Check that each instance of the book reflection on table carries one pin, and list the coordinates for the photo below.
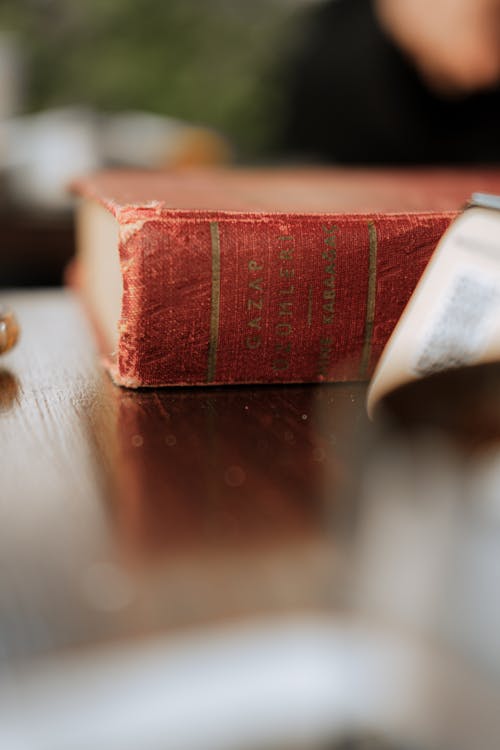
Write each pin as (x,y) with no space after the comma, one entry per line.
(316,619)
(227,502)
(179,570)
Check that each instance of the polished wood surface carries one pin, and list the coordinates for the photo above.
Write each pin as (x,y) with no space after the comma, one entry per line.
(128,512)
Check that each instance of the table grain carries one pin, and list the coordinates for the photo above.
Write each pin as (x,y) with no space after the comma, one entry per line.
(129,512)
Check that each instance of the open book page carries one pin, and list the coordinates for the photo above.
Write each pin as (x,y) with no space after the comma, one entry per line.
(453,316)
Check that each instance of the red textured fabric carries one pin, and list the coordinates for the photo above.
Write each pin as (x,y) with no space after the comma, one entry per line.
(233,296)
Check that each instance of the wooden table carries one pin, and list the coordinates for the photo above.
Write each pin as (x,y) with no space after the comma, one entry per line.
(126,513)
(164,557)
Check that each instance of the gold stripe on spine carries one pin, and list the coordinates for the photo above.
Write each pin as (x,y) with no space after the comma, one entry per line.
(214,302)
(370,300)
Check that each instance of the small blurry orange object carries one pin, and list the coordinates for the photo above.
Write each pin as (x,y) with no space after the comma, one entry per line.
(9,330)
(198,146)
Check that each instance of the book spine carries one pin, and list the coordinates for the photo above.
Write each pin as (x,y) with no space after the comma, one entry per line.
(220,298)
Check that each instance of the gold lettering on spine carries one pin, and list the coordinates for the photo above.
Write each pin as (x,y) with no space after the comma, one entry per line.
(214,302)
(370,300)
(284,330)
(328,295)
(254,305)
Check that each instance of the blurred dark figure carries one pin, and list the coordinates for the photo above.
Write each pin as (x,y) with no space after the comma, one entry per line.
(396,81)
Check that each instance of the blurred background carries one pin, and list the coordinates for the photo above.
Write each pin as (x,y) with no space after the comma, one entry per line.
(203,62)
(167,84)
(121,82)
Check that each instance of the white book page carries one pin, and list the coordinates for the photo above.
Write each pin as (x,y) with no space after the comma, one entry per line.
(453,316)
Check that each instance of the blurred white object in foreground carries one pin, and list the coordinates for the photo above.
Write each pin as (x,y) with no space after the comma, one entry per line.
(262,685)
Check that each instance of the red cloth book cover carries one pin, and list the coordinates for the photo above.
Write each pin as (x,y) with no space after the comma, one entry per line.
(259,275)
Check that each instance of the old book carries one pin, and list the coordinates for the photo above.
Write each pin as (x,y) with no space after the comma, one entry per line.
(257,276)
(452,318)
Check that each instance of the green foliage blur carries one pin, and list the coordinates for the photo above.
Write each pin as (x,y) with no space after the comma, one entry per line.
(206,61)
